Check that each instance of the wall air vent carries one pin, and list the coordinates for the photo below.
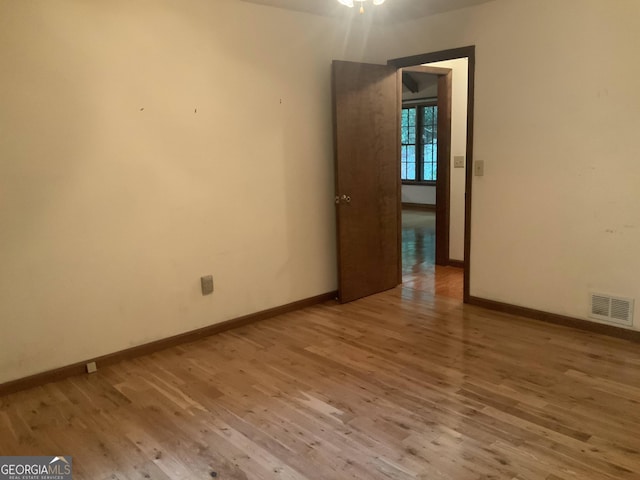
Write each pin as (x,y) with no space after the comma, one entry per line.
(611,309)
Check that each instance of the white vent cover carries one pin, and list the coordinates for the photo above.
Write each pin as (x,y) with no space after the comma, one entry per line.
(611,309)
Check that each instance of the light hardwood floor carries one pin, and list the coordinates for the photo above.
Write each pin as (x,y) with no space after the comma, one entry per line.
(419,271)
(401,385)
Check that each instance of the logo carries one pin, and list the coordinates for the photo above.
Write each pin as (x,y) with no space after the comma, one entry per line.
(36,468)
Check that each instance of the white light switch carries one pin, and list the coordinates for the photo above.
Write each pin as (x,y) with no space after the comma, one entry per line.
(478,168)
(458,161)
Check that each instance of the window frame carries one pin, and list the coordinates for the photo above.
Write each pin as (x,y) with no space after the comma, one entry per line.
(419,145)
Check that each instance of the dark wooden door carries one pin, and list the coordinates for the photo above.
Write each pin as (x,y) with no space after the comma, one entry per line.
(366,101)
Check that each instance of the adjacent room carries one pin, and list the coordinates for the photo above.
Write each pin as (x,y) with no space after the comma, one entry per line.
(433,160)
(234,243)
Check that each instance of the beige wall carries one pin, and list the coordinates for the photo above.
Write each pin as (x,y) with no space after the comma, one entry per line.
(109,214)
(116,196)
(557,120)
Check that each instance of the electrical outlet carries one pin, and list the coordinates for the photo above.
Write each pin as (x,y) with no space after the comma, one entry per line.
(458,161)
(478,168)
(92,367)
(207,284)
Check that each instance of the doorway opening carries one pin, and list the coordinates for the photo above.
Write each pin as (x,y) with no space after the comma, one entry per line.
(436,209)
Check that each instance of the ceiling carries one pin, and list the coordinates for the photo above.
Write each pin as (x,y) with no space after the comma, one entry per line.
(392,10)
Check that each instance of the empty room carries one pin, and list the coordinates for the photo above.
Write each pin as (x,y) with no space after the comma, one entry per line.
(246,239)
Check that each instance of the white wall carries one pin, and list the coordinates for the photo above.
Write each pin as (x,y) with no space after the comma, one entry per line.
(459,97)
(422,194)
(116,196)
(577,142)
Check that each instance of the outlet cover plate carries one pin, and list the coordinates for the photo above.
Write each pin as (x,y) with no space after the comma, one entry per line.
(207,284)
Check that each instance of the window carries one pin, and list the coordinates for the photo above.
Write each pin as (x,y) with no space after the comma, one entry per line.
(419,154)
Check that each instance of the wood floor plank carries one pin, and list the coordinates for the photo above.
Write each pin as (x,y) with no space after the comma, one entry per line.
(404,385)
